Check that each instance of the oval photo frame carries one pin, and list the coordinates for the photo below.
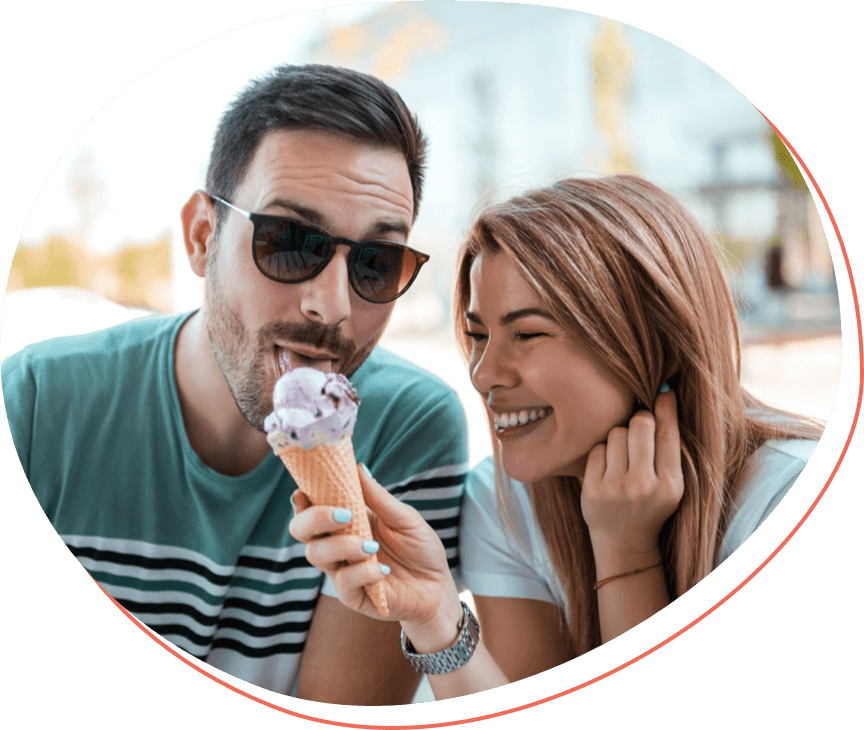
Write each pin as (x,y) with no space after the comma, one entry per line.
(70,619)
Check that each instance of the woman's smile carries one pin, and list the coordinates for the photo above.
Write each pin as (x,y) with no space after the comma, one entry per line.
(517,423)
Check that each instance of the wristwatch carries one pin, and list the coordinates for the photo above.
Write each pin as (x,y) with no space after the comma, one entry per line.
(454,656)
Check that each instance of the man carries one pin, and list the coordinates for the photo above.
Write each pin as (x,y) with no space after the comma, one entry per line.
(144,443)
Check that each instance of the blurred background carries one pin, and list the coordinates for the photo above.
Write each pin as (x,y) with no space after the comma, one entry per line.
(510,96)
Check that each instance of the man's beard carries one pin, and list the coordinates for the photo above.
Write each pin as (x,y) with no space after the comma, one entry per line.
(247,361)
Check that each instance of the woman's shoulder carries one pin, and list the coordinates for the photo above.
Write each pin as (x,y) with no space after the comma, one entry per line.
(482,476)
(774,463)
(481,488)
(503,553)
(774,467)
(789,449)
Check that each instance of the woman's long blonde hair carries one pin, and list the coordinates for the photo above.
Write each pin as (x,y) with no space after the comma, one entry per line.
(626,270)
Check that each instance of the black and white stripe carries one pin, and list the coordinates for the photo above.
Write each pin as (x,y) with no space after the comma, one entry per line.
(249,618)
(436,495)
(259,607)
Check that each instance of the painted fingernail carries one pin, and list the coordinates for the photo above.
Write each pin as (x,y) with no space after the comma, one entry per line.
(366,470)
(665,388)
(385,569)
(370,546)
(342,515)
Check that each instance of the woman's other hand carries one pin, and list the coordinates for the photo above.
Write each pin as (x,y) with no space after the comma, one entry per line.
(420,590)
(633,483)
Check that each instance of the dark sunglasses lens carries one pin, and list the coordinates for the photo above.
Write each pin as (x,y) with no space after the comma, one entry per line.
(382,271)
(288,252)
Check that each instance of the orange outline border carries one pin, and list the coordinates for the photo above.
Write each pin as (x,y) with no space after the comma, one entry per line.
(617,669)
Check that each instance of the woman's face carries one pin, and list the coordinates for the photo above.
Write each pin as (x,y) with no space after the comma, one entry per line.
(551,400)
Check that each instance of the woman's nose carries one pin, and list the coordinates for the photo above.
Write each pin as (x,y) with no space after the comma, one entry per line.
(493,368)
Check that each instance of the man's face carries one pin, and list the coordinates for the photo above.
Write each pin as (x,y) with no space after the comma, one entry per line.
(259,328)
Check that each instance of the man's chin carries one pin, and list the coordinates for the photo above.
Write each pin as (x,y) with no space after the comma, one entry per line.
(256,420)
(351,366)
(255,409)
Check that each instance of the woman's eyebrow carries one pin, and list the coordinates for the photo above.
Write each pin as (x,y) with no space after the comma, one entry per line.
(528,312)
(513,316)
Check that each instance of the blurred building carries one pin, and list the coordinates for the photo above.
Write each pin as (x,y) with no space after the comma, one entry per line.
(513,96)
(477,76)
(769,226)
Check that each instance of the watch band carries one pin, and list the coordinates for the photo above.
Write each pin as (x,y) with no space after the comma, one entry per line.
(451,658)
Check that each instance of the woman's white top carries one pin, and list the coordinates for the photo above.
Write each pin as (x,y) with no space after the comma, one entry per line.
(495,563)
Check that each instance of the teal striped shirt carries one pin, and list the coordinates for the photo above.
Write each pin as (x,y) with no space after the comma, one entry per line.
(204,559)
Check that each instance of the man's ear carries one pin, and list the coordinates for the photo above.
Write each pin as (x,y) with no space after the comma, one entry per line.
(199,223)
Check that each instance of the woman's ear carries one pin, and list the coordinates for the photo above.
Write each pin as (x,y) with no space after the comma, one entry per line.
(199,223)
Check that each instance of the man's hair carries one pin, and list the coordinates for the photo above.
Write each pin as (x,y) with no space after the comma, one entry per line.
(314,97)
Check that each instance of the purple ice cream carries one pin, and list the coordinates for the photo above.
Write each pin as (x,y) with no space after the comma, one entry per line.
(312,408)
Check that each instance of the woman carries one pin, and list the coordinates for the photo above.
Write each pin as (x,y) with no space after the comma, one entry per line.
(628,461)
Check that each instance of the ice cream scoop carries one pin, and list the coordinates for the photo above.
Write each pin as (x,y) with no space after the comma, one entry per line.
(313,408)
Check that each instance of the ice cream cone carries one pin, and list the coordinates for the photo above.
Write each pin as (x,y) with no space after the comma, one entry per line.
(327,475)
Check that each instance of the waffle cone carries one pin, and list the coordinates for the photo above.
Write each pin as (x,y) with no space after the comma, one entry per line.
(327,475)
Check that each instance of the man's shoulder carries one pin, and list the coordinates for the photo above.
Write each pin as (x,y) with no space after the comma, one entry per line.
(64,390)
(102,345)
(409,422)
(389,375)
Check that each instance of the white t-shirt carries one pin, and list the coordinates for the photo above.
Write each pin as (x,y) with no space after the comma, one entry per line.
(495,563)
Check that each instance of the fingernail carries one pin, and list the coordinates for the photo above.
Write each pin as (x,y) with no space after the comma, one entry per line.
(366,470)
(385,569)
(665,388)
(370,546)
(342,515)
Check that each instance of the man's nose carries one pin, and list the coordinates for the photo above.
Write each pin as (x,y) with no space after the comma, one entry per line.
(327,298)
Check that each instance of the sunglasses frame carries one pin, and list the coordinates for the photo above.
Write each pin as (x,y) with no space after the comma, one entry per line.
(333,242)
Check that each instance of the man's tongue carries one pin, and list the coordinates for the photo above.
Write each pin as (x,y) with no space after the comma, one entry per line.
(289,360)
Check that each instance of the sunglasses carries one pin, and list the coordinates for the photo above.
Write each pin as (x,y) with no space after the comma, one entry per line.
(290,251)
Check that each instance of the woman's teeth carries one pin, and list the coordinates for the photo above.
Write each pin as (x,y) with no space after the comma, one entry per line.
(519,418)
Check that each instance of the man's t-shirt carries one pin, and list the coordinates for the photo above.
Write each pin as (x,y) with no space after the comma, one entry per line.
(204,559)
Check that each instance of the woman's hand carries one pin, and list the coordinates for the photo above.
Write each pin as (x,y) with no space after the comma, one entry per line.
(633,483)
(420,590)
